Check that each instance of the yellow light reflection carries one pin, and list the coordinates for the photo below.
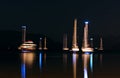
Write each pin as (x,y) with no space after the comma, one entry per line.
(75,57)
(28,58)
(85,58)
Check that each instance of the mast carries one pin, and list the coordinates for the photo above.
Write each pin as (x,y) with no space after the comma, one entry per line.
(23,34)
(45,48)
(65,42)
(101,44)
(74,42)
(85,35)
(86,46)
(40,44)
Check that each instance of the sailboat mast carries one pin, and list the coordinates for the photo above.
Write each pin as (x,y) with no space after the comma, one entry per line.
(45,48)
(75,33)
(86,35)
(23,34)
(40,44)
(65,41)
(101,44)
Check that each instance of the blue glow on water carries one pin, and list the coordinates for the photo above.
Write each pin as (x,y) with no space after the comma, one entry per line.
(87,52)
(40,61)
(23,71)
(74,58)
(91,62)
(85,73)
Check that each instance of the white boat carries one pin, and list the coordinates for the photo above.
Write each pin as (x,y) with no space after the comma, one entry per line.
(85,46)
(74,42)
(28,45)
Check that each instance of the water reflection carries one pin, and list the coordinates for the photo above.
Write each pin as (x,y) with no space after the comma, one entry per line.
(27,60)
(91,62)
(42,60)
(101,57)
(65,61)
(23,71)
(75,58)
(87,60)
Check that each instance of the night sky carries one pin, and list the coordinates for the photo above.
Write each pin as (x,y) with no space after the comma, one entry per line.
(55,17)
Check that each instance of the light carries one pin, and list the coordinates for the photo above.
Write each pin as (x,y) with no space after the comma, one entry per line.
(91,62)
(91,39)
(85,73)
(86,22)
(40,60)
(24,27)
(23,72)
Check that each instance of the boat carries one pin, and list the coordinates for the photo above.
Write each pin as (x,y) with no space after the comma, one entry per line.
(45,44)
(65,48)
(101,45)
(74,42)
(86,47)
(40,44)
(28,46)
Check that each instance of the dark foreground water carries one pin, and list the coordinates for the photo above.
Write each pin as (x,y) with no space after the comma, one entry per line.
(40,64)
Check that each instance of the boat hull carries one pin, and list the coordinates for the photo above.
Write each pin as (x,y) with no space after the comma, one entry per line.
(87,49)
(75,49)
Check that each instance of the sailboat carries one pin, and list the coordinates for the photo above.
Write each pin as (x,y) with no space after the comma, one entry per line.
(74,42)
(86,47)
(101,44)
(40,44)
(45,48)
(65,42)
(26,46)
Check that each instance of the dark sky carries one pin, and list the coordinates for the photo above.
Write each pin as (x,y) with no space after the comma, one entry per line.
(55,17)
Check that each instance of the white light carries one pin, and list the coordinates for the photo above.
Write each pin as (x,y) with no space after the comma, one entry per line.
(86,22)
(91,38)
(24,27)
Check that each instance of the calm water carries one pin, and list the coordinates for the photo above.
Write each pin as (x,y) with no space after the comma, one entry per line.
(59,65)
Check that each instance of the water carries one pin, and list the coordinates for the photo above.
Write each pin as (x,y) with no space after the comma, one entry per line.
(14,64)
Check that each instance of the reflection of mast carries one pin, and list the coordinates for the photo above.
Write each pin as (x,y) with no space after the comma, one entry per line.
(40,44)
(88,59)
(74,43)
(23,70)
(45,48)
(85,63)
(101,44)
(65,42)
(42,60)
(75,57)
(65,61)
(23,34)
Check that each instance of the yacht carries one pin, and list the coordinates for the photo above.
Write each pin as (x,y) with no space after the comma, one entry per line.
(65,48)
(86,47)
(74,42)
(28,45)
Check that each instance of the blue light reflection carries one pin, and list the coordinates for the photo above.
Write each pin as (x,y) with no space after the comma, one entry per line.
(91,62)
(23,71)
(40,61)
